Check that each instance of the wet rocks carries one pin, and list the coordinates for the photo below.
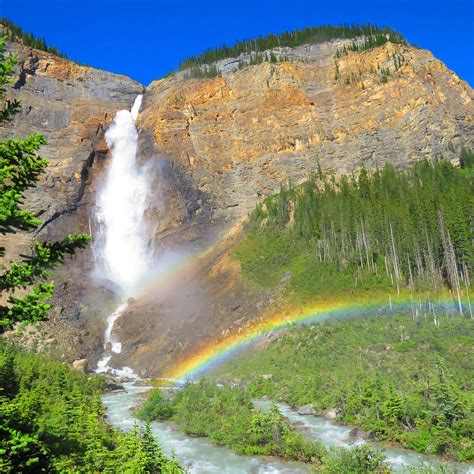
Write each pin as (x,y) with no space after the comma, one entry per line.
(306,410)
(354,432)
(330,413)
(113,384)
(371,436)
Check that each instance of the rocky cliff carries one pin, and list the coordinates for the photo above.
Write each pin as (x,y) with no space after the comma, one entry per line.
(241,135)
(218,145)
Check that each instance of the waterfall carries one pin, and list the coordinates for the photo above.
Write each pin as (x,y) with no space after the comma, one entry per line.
(121,247)
(121,250)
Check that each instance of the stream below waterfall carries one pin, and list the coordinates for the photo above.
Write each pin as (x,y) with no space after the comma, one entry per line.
(200,455)
(197,455)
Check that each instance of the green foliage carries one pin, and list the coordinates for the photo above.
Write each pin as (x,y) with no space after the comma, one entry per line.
(7,64)
(207,71)
(226,415)
(292,39)
(405,379)
(359,460)
(467,158)
(52,420)
(202,72)
(17,34)
(156,407)
(44,258)
(20,169)
(140,453)
(370,231)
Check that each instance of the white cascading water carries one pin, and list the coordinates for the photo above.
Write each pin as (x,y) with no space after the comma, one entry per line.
(121,249)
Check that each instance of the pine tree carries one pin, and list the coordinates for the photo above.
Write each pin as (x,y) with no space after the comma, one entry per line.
(96,456)
(8,380)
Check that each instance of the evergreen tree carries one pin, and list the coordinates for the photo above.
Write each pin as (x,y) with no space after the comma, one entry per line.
(17,34)
(52,420)
(8,381)
(373,36)
(408,228)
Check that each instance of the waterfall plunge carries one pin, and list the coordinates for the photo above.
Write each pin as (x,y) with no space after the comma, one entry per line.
(121,249)
(122,253)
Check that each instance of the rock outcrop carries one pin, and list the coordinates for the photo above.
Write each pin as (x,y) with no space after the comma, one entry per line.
(241,135)
(214,147)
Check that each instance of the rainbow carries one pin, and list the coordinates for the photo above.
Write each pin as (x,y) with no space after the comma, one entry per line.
(206,358)
(214,354)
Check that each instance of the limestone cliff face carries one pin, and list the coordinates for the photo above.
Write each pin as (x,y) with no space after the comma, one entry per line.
(241,135)
(70,105)
(214,147)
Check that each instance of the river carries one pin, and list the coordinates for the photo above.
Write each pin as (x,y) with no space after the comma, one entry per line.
(199,455)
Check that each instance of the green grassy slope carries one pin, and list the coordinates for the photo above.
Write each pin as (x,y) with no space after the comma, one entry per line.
(407,378)
(374,231)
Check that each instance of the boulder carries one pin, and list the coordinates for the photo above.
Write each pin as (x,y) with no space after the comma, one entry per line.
(81,365)
(354,432)
(330,414)
(306,410)
(113,384)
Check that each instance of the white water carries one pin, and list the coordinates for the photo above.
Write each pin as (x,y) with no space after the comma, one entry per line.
(122,252)
(333,435)
(121,249)
(111,344)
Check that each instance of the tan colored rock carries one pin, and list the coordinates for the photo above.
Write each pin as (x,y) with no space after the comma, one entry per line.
(241,135)
(81,365)
(238,137)
(70,105)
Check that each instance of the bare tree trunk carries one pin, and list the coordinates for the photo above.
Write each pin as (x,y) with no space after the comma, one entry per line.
(450,260)
(396,266)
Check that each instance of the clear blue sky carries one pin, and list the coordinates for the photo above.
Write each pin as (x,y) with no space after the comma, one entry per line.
(145,39)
